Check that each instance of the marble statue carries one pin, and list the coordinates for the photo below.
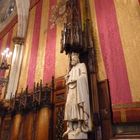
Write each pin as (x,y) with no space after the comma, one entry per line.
(77,108)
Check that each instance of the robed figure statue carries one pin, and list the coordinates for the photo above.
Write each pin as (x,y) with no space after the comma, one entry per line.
(77,107)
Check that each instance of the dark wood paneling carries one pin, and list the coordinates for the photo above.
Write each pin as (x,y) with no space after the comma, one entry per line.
(5,127)
(42,125)
(15,128)
(105,110)
(59,107)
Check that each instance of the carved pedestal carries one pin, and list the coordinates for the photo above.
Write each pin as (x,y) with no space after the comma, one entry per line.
(80,136)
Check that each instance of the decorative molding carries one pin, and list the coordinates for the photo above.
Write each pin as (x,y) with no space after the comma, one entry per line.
(126,115)
(18,40)
(131,105)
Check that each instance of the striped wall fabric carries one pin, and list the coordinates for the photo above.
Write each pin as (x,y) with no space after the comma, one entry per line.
(116,26)
(42,58)
(42,54)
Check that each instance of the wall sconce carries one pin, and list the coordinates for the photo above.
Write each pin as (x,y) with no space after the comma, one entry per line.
(5,55)
(4,66)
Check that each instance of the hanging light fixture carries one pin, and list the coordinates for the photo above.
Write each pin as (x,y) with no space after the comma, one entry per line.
(4,66)
(5,55)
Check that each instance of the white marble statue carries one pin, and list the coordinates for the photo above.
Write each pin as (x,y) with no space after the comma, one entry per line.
(77,108)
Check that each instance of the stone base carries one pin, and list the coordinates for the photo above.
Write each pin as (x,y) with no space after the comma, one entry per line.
(80,136)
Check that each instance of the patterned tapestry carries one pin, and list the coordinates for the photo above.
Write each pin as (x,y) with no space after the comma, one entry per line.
(116,25)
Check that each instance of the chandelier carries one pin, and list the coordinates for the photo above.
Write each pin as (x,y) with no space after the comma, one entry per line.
(4,65)
(5,54)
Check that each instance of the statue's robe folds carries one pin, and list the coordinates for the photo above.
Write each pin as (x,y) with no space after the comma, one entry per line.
(77,106)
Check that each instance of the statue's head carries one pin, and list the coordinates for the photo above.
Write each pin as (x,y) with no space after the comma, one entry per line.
(74,59)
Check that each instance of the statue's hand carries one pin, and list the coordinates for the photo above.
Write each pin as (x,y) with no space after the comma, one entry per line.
(66,77)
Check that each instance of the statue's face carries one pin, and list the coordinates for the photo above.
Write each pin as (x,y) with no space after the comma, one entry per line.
(74,60)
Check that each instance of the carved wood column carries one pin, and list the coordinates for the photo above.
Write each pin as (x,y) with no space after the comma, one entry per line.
(105,110)
(1,122)
(5,127)
(43,123)
(28,126)
(15,129)
(59,107)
